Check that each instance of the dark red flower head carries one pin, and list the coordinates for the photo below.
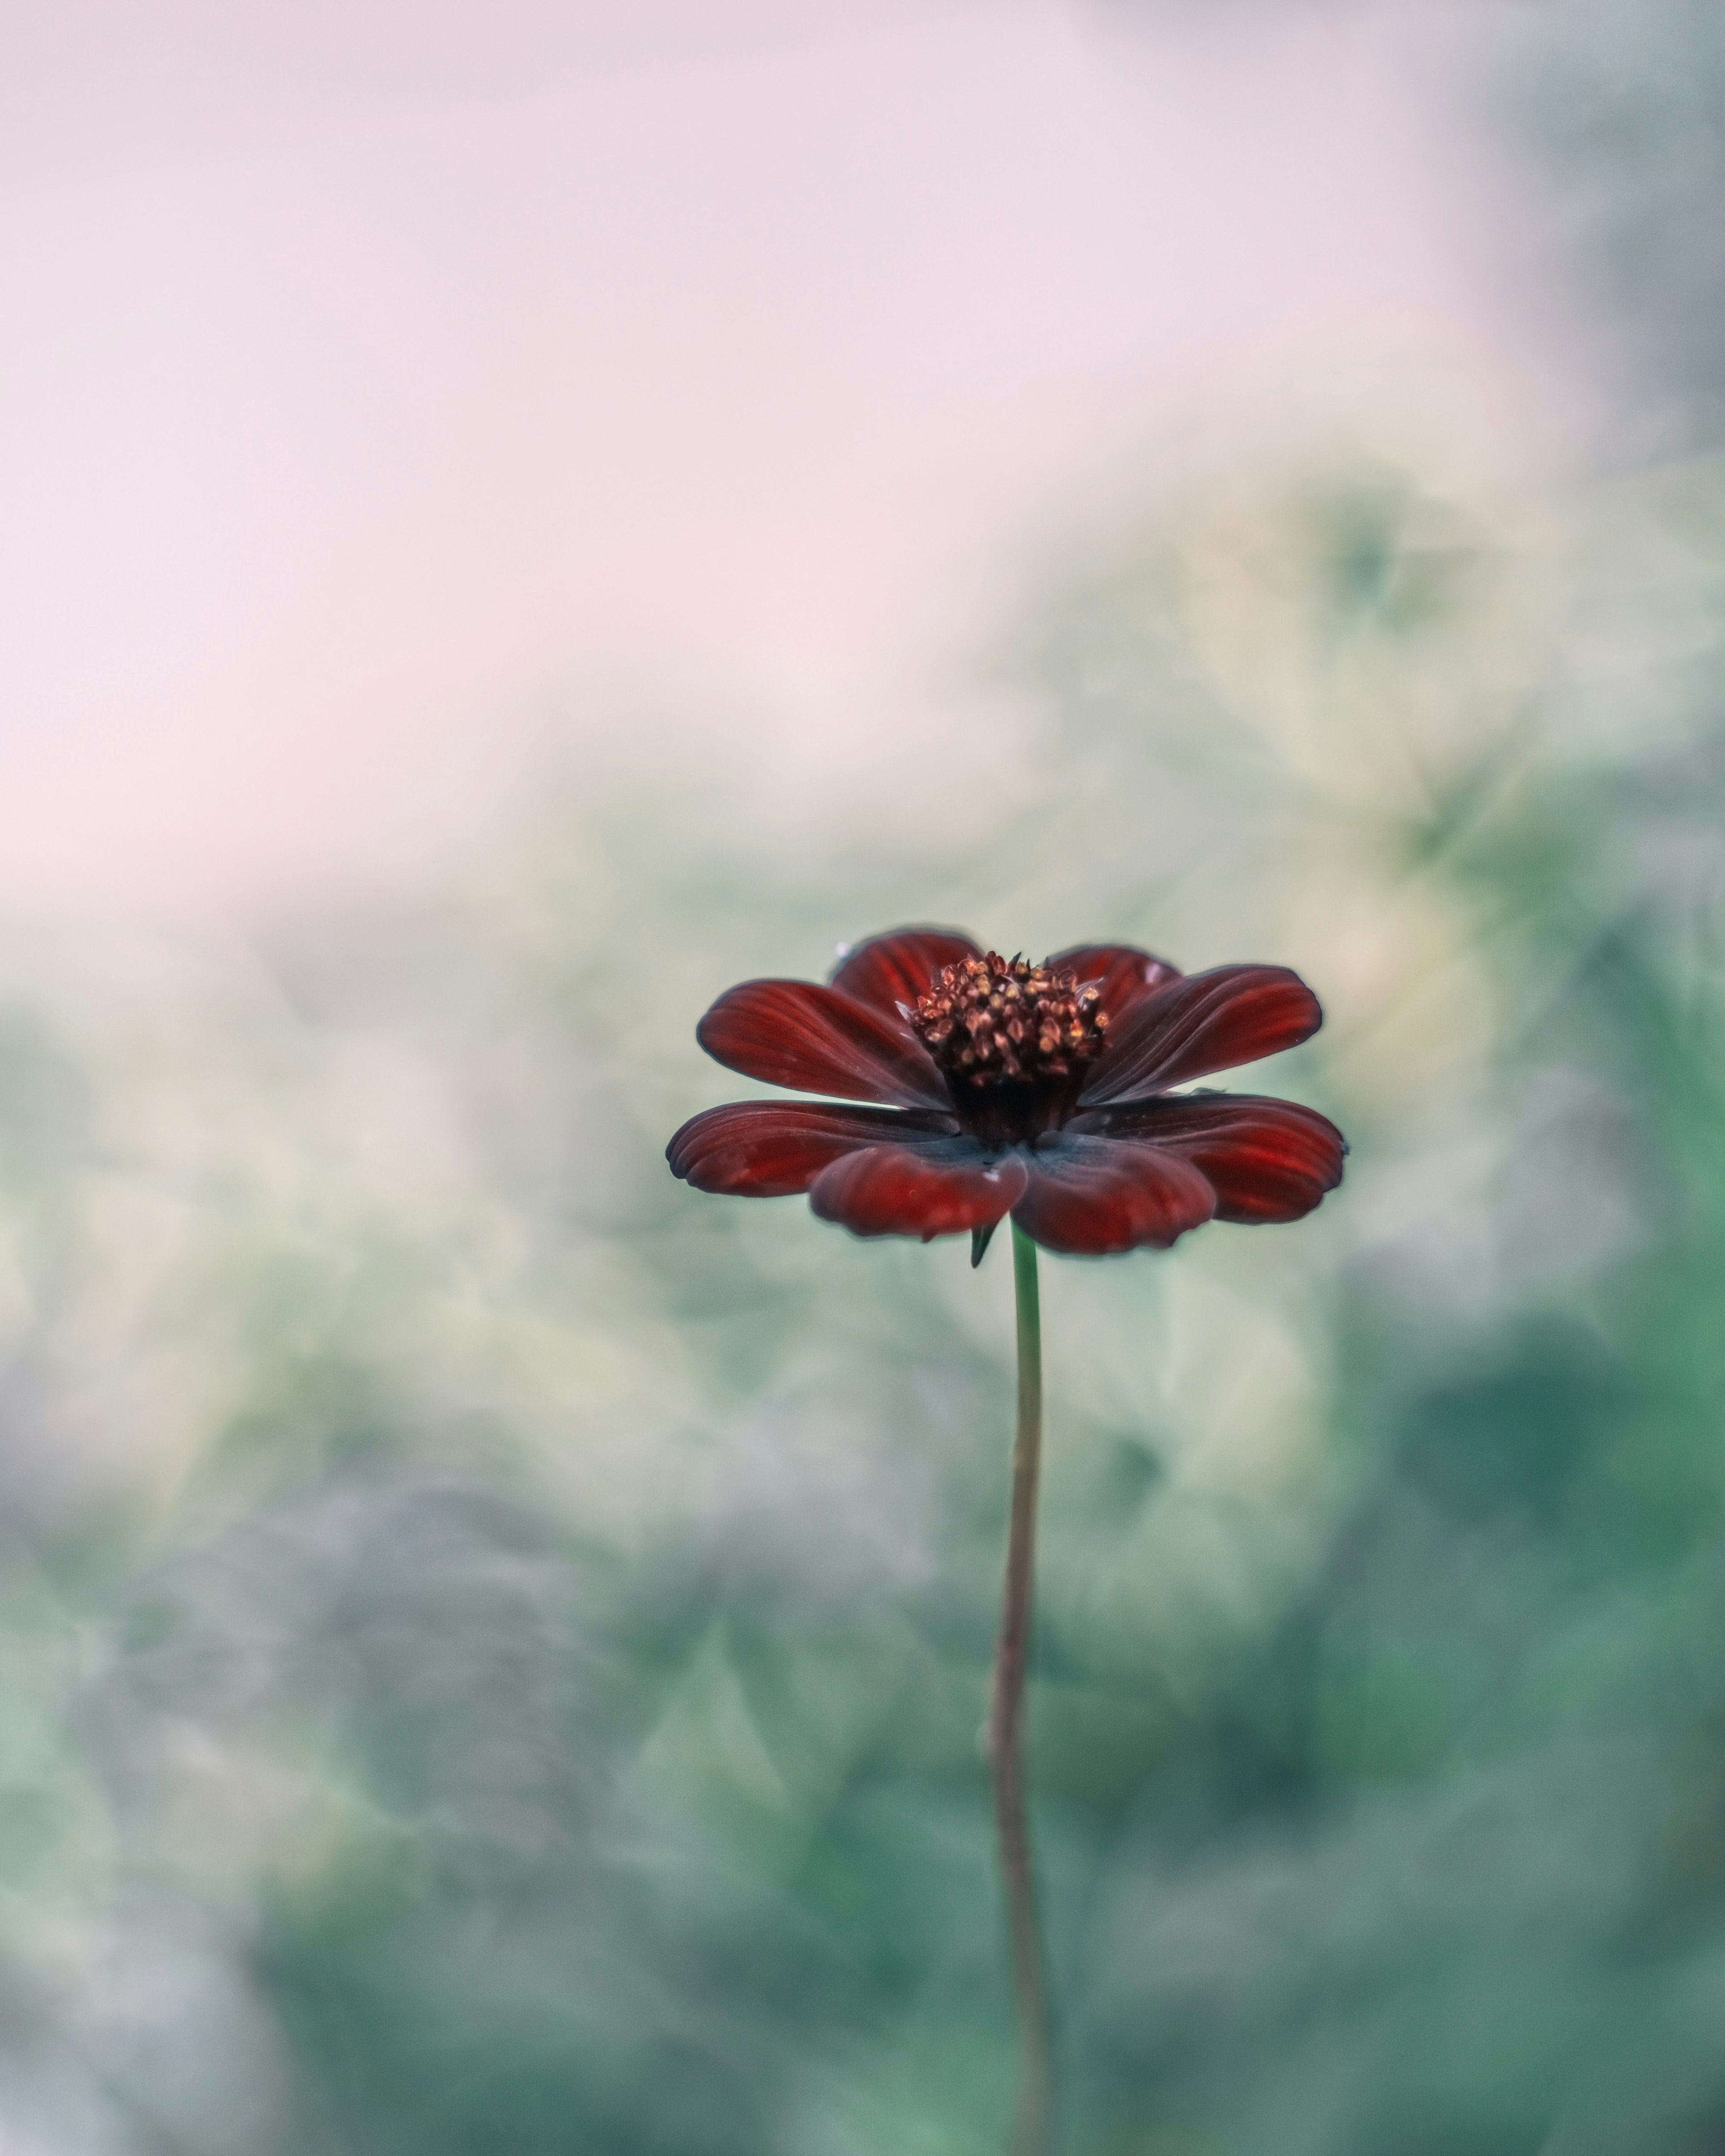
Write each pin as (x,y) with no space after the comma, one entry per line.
(998,1087)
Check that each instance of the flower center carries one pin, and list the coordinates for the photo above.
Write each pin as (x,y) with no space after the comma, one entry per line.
(995,1021)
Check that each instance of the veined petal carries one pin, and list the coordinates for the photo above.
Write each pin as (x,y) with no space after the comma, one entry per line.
(898,967)
(1266,1159)
(1122,971)
(1202,1022)
(775,1148)
(817,1041)
(1088,1196)
(934,1190)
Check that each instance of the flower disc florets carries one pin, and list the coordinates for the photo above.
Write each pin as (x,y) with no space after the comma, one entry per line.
(994,1021)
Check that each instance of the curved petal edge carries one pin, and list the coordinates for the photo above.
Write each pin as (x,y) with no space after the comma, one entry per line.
(1267,1160)
(776,1148)
(815,1039)
(1091,1197)
(895,1190)
(1200,1024)
(1121,970)
(898,966)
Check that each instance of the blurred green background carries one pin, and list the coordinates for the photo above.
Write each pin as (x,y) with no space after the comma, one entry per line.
(495,1643)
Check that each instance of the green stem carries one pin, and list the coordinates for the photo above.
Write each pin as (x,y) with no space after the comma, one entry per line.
(1031,2126)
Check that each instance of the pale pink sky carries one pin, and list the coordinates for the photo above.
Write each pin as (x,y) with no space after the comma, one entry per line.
(389,396)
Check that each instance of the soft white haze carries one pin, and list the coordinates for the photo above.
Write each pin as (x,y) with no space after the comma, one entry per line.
(392,407)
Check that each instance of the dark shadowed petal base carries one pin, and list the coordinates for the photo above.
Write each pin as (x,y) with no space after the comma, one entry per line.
(1088,1196)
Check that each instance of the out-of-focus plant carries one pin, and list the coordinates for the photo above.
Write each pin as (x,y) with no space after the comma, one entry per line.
(493,1648)
(490,1648)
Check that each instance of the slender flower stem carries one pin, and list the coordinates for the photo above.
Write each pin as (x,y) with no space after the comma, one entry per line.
(1031,2126)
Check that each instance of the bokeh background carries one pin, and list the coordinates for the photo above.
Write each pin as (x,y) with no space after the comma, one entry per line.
(518,517)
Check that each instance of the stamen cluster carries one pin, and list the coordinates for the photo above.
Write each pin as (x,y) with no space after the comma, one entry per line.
(995,1021)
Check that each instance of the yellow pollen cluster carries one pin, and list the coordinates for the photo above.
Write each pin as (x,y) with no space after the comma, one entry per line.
(995,1021)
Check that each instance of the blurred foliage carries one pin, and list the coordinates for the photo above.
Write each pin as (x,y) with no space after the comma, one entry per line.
(1624,102)
(495,1642)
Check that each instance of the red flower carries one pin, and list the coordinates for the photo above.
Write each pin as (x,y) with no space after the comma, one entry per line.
(998,1087)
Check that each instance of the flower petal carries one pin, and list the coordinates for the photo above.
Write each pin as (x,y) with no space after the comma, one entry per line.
(774,1148)
(1202,1022)
(816,1041)
(1266,1160)
(941,1189)
(1088,1196)
(896,967)
(1124,972)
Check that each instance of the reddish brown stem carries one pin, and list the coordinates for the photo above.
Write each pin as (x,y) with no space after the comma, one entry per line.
(1033,2121)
